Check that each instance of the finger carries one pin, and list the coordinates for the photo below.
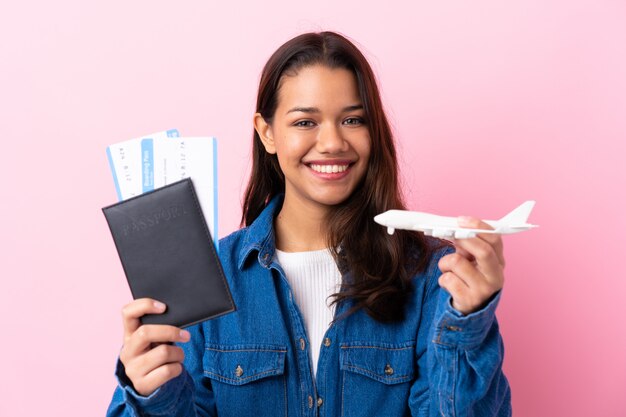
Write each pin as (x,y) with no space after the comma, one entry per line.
(464,298)
(464,270)
(159,376)
(487,260)
(473,223)
(152,359)
(132,311)
(455,286)
(462,251)
(494,239)
(146,335)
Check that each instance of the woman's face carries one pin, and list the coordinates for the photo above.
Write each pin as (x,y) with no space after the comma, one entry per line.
(319,135)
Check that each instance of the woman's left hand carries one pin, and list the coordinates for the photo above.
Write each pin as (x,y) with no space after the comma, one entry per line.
(474,273)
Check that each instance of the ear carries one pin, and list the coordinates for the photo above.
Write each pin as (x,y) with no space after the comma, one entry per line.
(264,130)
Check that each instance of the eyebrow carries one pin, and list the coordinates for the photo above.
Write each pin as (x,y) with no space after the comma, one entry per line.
(316,110)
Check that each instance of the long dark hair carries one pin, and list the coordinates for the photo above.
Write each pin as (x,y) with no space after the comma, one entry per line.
(380,266)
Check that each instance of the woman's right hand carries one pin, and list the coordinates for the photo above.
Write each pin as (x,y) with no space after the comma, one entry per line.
(150,361)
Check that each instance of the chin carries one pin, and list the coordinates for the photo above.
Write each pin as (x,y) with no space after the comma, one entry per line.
(331,200)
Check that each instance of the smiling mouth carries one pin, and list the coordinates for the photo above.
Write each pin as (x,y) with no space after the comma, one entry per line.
(329,169)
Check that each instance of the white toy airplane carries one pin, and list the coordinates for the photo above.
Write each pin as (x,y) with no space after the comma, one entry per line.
(441,226)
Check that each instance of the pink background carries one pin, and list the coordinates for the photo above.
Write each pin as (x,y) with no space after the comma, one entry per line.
(492,102)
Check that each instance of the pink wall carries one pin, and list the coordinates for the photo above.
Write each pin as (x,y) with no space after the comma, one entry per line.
(493,103)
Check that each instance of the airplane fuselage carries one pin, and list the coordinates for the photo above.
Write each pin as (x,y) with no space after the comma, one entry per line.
(448,227)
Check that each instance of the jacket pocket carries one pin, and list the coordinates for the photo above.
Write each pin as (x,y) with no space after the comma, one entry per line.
(376,378)
(247,378)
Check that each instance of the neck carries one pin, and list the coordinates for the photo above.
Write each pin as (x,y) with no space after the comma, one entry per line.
(300,227)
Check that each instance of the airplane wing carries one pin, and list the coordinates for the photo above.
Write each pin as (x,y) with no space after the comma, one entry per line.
(447,227)
(451,232)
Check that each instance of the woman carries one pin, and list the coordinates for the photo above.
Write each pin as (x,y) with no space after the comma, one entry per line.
(410,329)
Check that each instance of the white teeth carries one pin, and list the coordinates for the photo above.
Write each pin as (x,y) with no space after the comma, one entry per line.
(327,169)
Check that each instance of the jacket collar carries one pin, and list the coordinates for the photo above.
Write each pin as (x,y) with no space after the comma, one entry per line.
(259,236)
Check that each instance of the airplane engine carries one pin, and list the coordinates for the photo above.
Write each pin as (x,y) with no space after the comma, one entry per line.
(462,234)
(442,233)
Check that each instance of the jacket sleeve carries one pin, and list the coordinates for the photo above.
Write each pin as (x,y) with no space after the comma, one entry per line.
(464,356)
(188,395)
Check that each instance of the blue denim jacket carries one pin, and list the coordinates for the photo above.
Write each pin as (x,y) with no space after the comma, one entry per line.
(256,361)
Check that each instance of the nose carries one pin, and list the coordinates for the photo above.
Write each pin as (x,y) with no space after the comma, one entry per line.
(331,140)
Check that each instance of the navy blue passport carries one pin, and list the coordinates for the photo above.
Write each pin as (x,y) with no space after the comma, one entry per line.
(168,254)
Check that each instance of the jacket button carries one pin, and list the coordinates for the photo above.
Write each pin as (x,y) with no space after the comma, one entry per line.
(388,370)
(327,342)
(302,344)
(320,402)
(238,371)
(310,402)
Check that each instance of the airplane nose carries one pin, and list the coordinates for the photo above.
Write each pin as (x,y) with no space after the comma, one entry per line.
(381,219)
(384,220)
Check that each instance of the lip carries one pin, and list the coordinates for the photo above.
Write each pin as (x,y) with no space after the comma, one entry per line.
(329,162)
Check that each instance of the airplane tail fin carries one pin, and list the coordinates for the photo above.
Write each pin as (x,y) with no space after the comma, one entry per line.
(519,215)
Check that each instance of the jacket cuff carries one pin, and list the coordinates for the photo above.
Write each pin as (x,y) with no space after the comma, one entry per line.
(161,402)
(465,331)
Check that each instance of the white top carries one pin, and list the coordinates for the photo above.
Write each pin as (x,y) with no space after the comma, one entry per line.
(313,276)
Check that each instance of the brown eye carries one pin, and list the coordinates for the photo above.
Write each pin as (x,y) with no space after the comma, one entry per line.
(303,123)
(354,121)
